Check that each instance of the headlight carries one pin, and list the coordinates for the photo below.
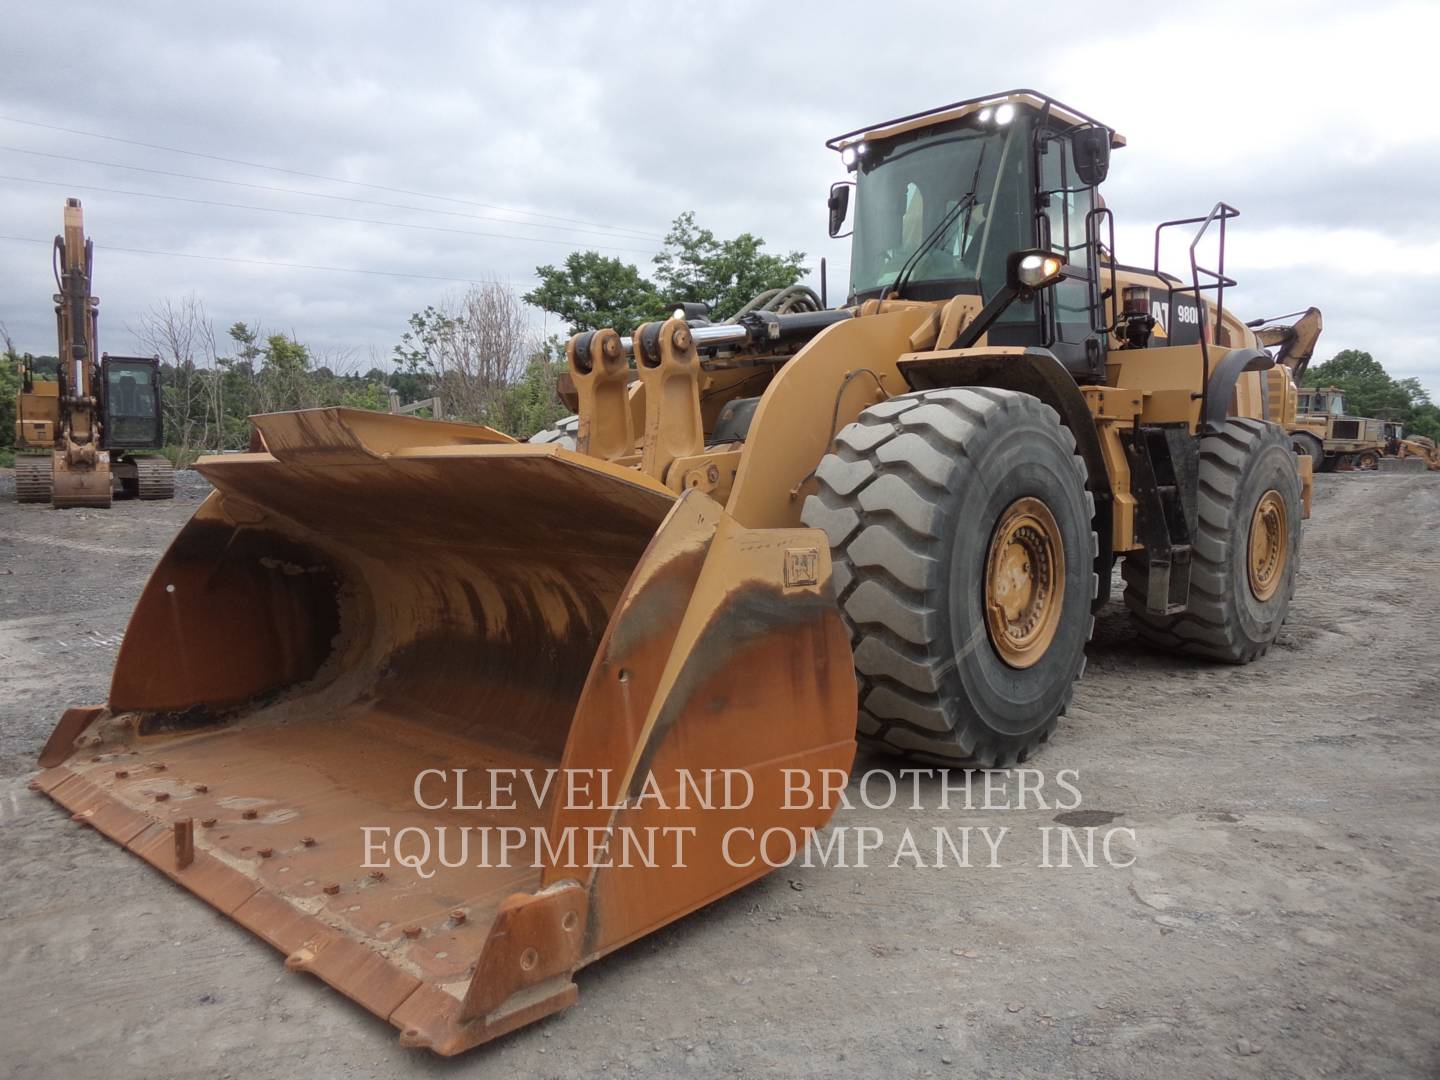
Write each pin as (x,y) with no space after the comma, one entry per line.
(1035,270)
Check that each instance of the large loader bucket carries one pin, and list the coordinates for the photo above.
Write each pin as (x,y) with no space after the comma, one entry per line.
(368,633)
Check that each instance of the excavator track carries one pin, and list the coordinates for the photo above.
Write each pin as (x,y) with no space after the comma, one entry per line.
(33,480)
(155,477)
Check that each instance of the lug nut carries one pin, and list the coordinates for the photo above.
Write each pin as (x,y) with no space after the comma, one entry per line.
(332,889)
(162,796)
(201,789)
(250,815)
(308,841)
(266,852)
(378,875)
(412,932)
(208,822)
(159,766)
(457,917)
(121,774)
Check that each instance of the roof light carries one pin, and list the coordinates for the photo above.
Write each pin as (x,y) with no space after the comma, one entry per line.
(847,157)
(985,114)
(1005,113)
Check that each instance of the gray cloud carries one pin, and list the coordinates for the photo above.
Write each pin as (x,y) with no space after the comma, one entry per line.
(626,115)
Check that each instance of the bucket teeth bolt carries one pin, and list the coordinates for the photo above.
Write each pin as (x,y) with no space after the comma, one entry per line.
(250,815)
(201,789)
(377,875)
(162,796)
(308,841)
(159,766)
(266,852)
(208,822)
(457,917)
(121,774)
(332,889)
(412,932)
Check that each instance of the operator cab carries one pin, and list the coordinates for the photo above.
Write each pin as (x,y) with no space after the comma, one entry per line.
(130,402)
(943,198)
(1329,401)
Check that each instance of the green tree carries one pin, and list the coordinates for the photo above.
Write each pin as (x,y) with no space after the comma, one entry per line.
(1370,391)
(726,274)
(592,291)
(9,387)
(532,402)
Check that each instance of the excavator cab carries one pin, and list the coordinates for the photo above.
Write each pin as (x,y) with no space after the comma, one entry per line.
(130,402)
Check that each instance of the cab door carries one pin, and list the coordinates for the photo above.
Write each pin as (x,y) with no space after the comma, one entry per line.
(1064,203)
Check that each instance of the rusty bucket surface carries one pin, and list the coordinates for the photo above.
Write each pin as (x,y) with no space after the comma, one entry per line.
(376,605)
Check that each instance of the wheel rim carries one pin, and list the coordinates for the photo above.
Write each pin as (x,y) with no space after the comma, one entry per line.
(1024,582)
(1269,545)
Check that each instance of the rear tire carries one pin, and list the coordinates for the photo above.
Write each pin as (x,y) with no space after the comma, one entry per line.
(1246,551)
(1367,459)
(964,566)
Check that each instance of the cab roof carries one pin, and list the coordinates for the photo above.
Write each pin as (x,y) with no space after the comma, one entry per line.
(954,111)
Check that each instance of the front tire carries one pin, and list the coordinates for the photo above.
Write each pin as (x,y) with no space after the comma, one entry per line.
(1309,446)
(1246,550)
(964,565)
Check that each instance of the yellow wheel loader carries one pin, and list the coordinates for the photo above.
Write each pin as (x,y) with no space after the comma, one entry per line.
(382,638)
(1332,439)
(98,412)
(1419,448)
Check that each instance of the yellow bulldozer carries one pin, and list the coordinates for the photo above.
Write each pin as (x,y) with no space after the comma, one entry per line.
(98,412)
(895,518)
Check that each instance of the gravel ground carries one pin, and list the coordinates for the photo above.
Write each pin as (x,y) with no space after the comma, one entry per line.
(1281,917)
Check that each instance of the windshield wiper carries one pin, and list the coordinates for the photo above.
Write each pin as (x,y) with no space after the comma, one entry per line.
(908,268)
(930,241)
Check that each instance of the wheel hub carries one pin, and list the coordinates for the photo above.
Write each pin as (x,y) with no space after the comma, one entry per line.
(1269,545)
(1024,582)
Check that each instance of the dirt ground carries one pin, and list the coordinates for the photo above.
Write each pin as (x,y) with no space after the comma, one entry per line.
(1281,917)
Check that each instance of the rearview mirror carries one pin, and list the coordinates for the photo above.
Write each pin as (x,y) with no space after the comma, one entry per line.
(839,204)
(1091,147)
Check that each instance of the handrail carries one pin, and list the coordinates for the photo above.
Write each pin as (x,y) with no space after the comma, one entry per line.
(1221,212)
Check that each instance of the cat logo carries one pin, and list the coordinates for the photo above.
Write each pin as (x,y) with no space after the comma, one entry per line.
(802,566)
(1177,319)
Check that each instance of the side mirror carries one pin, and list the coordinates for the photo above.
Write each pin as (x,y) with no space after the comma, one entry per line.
(839,204)
(1091,147)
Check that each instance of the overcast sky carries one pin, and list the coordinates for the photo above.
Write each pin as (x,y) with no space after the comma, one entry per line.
(593,126)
